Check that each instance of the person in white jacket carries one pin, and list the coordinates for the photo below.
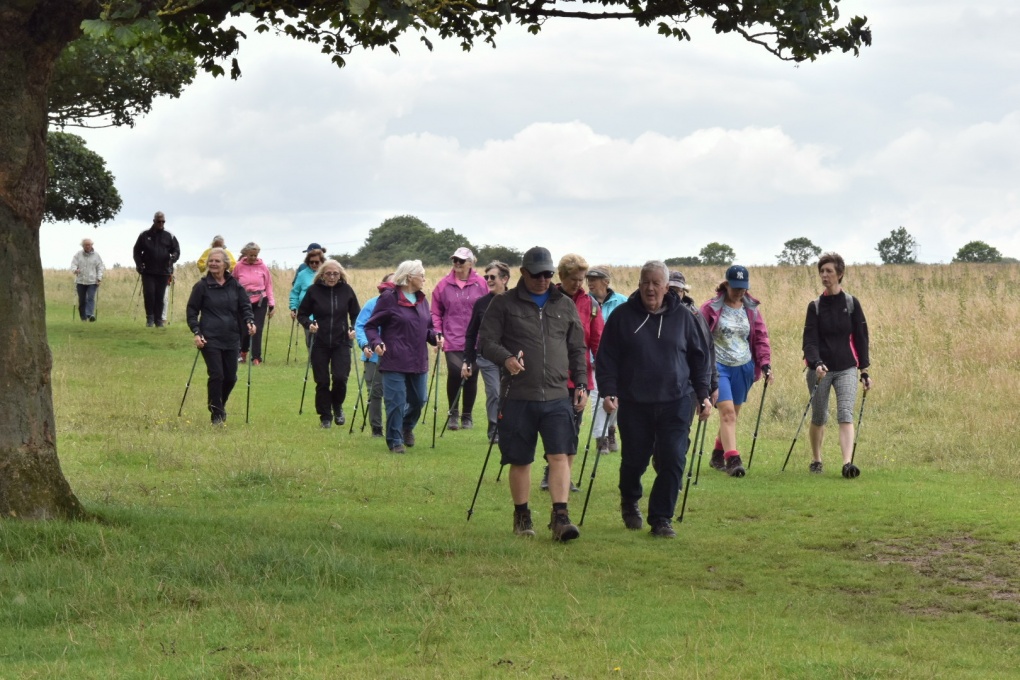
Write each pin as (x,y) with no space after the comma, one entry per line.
(88,274)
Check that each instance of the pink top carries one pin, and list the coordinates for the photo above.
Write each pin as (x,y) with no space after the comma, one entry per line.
(256,280)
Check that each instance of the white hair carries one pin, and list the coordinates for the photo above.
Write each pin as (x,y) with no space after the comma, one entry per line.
(656,265)
(407,269)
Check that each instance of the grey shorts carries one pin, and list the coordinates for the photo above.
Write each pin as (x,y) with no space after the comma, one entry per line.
(845,384)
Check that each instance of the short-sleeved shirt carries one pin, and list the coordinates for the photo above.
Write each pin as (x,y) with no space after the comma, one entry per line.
(731,335)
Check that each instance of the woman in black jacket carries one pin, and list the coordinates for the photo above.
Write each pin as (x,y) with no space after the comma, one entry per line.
(835,349)
(497,276)
(329,310)
(216,309)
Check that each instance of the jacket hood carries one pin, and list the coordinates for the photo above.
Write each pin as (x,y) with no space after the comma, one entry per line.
(383,287)
(670,302)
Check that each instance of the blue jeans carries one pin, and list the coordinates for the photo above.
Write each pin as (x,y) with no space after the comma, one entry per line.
(87,300)
(404,395)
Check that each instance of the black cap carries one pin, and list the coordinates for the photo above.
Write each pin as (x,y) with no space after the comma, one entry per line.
(313,246)
(538,260)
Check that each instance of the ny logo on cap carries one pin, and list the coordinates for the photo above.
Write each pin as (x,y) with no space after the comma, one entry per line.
(740,275)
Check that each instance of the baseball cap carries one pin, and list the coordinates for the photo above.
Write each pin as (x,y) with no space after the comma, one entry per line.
(597,273)
(677,280)
(737,277)
(463,253)
(313,246)
(538,260)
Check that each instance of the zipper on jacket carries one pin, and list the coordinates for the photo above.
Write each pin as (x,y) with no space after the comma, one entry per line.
(541,326)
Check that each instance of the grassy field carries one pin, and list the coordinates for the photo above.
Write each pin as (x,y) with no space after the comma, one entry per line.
(277,549)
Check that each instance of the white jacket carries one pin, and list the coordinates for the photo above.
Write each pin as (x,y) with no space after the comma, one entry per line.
(88,267)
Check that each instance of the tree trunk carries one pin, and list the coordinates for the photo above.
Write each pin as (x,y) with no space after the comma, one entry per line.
(32,35)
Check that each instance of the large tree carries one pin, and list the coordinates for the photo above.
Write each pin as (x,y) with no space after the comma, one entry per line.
(33,33)
(978,251)
(798,251)
(899,247)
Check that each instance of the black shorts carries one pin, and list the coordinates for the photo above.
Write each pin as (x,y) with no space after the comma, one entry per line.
(523,421)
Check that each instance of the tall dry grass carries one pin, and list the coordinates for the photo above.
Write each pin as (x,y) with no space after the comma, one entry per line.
(945,362)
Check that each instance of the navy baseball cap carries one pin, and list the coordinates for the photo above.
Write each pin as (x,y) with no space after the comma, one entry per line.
(313,246)
(737,277)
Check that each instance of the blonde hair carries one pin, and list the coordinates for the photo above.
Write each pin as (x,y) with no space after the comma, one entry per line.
(407,269)
(570,263)
(223,254)
(329,265)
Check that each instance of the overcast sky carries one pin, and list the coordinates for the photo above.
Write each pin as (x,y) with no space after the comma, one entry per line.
(602,139)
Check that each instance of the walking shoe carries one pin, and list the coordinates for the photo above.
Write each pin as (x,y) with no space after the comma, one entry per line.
(377,431)
(325,423)
(339,418)
(613,447)
(544,486)
(851,471)
(734,467)
(466,422)
(149,323)
(602,445)
(242,357)
(92,318)
(160,323)
(631,515)
(492,434)
(453,422)
(662,528)
(815,467)
(718,462)
(522,524)
(258,362)
(408,438)
(397,448)
(573,487)
(219,419)
(562,529)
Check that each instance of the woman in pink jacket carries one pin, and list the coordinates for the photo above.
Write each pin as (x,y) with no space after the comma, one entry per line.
(452,300)
(254,276)
(742,355)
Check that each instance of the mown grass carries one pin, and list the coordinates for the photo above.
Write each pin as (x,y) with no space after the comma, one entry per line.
(278,549)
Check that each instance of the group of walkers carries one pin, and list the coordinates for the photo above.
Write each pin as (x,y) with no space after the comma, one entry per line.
(651,363)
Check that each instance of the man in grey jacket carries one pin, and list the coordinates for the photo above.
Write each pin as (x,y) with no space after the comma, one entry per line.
(537,326)
(88,274)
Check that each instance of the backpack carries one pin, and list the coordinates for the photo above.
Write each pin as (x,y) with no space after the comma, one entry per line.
(849,303)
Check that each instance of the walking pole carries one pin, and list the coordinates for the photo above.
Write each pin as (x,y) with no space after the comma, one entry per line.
(757,423)
(308,366)
(290,341)
(73,308)
(170,314)
(428,398)
(95,303)
(584,461)
(456,400)
(247,403)
(364,412)
(700,450)
(265,345)
(133,291)
(435,404)
(690,469)
(492,440)
(858,431)
(594,469)
(195,363)
(360,375)
(802,419)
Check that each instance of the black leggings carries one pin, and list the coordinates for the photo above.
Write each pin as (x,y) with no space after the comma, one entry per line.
(327,363)
(254,342)
(454,360)
(222,367)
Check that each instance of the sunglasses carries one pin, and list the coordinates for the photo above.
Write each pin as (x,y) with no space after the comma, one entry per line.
(542,275)
(457,260)
(314,261)
(491,277)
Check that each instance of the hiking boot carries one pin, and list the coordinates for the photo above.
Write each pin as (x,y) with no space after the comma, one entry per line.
(160,323)
(602,445)
(377,432)
(325,423)
(408,438)
(662,528)
(149,323)
(338,417)
(562,529)
(613,447)
(631,515)
(522,524)
(466,422)
(735,467)
(242,357)
(397,448)
(219,419)
(851,471)
(453,422)
(718,460)
(544,486)
(92,318)
(815,467)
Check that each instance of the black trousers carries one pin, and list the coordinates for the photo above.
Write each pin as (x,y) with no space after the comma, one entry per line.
(454,360)
(153,290)
(222,367)
(253,343)
(330,363)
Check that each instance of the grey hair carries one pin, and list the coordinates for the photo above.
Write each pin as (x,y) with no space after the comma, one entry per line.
(249,246)
(405,270)
(223,253)
(87,240)
(328,265)
(656,265)
(219,238)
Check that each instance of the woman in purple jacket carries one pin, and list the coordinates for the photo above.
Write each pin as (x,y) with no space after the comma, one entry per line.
(742,355)
(402,318)
(452,301)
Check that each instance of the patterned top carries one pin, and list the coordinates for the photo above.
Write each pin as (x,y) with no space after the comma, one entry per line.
(731,335)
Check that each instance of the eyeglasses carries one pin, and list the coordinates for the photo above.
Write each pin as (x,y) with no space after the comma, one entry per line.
(457,260)
(541,275)
(330,275)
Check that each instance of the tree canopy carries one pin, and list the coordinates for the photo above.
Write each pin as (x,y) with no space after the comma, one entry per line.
(717,255)
(79,187)
(978,251)
(798,251)
(687,261)
(899,247)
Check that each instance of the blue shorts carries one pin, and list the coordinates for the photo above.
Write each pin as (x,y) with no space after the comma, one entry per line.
(523,421)
(735,382)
